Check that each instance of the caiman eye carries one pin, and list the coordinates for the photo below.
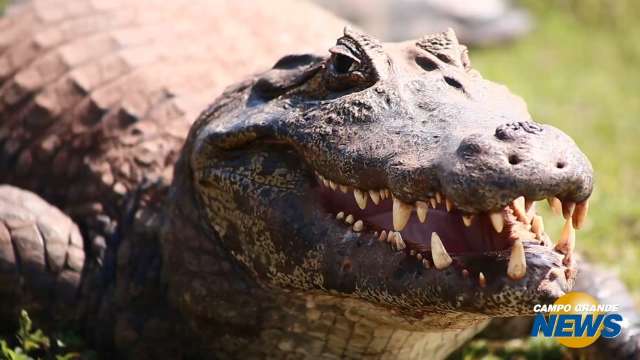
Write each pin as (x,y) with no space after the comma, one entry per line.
(344,69)
(343,64)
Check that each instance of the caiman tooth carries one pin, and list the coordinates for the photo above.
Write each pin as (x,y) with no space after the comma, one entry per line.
(422,209)
(441,258)
(438,197)
(383,235)
(521,213)
(419,256)
(567,240)
(433,202)
(448,204)
(344,188)
(531,210)
(555,204)
(375,196)
(349,219)
(425,264)
(325,182)
(528,204)
(400,245)
(333,185)
(567,209)
(537,226)
(401,214)
(482,281)
(361,198)
(391,237)
(497,220)
(358,226)
(340,215)
(580,214)
(517,267)
(467,219)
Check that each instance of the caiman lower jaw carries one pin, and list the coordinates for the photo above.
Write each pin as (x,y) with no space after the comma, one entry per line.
(440,235)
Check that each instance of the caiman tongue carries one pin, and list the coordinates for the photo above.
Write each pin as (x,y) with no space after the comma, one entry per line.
(457,238)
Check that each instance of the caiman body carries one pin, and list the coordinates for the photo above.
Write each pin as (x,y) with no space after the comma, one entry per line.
(376,201)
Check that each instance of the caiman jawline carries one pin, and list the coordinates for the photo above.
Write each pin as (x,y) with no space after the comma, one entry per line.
(439,233)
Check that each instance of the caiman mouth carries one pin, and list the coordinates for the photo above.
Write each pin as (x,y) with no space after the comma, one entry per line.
(439,235)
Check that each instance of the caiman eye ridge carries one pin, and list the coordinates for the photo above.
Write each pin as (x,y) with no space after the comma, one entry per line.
(440,235)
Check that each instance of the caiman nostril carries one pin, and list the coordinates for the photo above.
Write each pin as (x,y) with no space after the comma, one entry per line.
(561,164)
(514,159)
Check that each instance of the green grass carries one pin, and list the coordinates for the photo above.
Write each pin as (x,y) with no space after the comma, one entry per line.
(580,72)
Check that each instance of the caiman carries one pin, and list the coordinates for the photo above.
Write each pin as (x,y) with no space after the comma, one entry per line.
(376,200)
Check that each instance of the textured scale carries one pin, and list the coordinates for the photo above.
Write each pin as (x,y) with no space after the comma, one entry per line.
(102,93)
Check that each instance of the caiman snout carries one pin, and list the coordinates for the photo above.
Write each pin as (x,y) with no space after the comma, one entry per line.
(517,159)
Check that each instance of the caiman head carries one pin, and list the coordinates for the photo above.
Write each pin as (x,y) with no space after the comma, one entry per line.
(392,174)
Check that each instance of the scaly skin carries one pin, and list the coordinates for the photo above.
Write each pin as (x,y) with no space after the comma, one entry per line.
(236,258)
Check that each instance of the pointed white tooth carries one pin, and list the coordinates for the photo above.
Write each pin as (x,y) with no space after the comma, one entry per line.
(482,281)
(433,202)
(555,204)
(358,225)
(567,209)
(375,196)
(391,236)
(361,198)
(497,220)
(567,241)
(419,256)
(382,194)
(528,204)
(467,219)
(448,204)
(441,258)
(387,193)
(517,267)
(537,226)
(580,214)
(531,210)
(421,210)
(333,185)
(349,219)
(425,264)
(412,252)
(520,212)
(401,214)
(344,188)
(438,197)
(340,215)
(383,235)
(400,245)
(325,182)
